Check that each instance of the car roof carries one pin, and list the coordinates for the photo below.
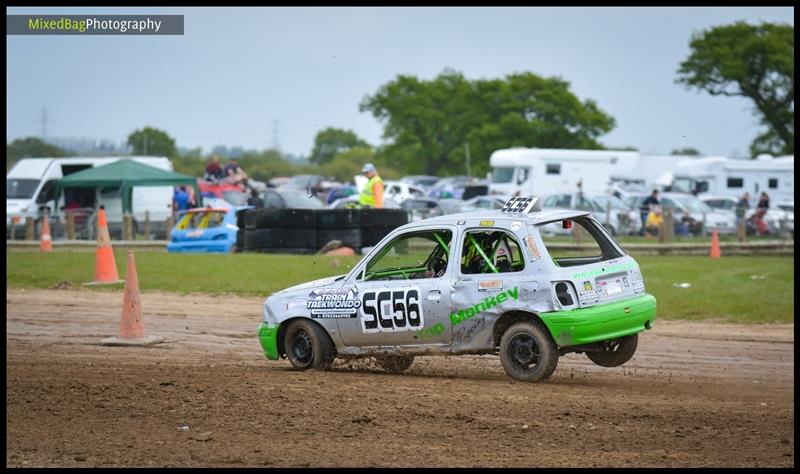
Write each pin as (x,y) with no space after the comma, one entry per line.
(535,218)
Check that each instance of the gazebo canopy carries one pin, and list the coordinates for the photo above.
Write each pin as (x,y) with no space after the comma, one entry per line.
(125,174)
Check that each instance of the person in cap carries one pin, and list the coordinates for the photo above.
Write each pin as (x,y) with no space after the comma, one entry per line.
(372,194)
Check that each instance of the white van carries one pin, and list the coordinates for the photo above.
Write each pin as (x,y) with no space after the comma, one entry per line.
(717,175)
(543,171)
(30,187)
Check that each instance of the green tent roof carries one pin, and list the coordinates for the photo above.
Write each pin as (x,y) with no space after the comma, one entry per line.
(125,174)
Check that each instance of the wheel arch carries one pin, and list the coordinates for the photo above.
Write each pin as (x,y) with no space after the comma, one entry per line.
(286,323)
(506,320)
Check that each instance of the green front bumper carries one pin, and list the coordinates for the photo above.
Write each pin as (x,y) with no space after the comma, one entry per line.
(603,322)
(268,337)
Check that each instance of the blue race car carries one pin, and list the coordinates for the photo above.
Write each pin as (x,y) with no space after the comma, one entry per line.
(206,229)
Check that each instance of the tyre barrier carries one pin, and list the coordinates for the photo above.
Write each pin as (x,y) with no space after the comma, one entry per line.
(308,230)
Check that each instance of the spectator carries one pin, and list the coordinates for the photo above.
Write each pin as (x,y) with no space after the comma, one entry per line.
(254,200)
(234,174)
(180,200)
(741,207)
(763,202)
(654,220)
(372,194)
(214,171)
(647,206)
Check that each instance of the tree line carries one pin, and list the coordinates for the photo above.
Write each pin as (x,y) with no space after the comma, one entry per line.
(432,126)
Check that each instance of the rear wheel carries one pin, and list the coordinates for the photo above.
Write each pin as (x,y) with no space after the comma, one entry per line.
(308,346)
(394,364)
(528,353)
(615,352)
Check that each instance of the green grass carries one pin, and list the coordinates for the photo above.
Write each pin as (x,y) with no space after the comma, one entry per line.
(720,289)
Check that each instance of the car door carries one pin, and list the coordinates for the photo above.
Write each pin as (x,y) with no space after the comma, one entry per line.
(403,291)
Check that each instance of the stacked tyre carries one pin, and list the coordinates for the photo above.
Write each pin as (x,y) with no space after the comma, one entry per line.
(377,223)
(280,231)
(343,225)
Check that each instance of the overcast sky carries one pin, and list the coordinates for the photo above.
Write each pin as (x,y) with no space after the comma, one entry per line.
(237,70)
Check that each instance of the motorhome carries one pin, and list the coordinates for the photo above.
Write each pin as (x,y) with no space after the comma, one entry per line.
(540,171)
(30,187)
(717,175)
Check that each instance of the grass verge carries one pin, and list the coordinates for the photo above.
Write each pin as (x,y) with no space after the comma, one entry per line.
(753,289)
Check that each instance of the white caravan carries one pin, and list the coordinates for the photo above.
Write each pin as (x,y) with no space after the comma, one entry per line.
(543,171)
(716,175)
(30,188)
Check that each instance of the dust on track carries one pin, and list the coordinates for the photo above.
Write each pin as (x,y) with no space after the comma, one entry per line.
(695,394)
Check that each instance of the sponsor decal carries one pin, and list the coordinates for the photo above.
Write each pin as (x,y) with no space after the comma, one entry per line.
(391,311)
(532,247)
(486,223)
(613,268)
(331,303)
(487,303)
(490,285)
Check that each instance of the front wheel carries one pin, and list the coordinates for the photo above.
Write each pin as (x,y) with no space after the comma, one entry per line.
(615,352)
(394,364)
(528,353)
(308,346)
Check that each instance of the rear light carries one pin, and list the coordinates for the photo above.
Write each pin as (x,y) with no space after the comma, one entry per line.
(567,224)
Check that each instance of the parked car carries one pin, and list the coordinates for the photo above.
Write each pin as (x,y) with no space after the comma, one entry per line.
(697,215)
(775,217)
(290,198)
(482,282)
(206,229)
(352,202)
(483,202)
(620,220)
(788,208)
(420,180)
(421,208)
(311,183)
(234,194)
(400,191)
(450,187)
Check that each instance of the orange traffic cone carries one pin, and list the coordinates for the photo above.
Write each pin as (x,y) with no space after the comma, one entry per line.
(131,327)
(105,269)
(45,242)
(715,251)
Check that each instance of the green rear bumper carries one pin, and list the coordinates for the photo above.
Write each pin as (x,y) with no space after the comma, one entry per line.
(603,322)
(268,337)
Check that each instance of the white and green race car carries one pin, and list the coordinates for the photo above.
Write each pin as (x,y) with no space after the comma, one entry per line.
(474,283)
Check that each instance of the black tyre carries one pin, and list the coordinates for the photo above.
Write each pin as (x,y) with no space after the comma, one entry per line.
(288,238)
(338,218)
(280,218)
(615,352)
(383,217)
(528,353)
(308,346)
(370,236)
(394,364)
(348,237)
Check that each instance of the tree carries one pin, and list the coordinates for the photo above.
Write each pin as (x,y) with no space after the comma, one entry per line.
(152,142)
(686,151)
(332,141)
(429,122)
(753,61)
(30,147)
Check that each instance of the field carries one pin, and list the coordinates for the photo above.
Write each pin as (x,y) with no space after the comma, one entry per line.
(730,289)
(697,393)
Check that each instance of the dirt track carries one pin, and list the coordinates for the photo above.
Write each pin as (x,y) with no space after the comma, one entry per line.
(695,394)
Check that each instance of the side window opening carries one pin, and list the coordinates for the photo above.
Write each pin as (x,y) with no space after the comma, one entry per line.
(490,251)
(411,256)
(601,246)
